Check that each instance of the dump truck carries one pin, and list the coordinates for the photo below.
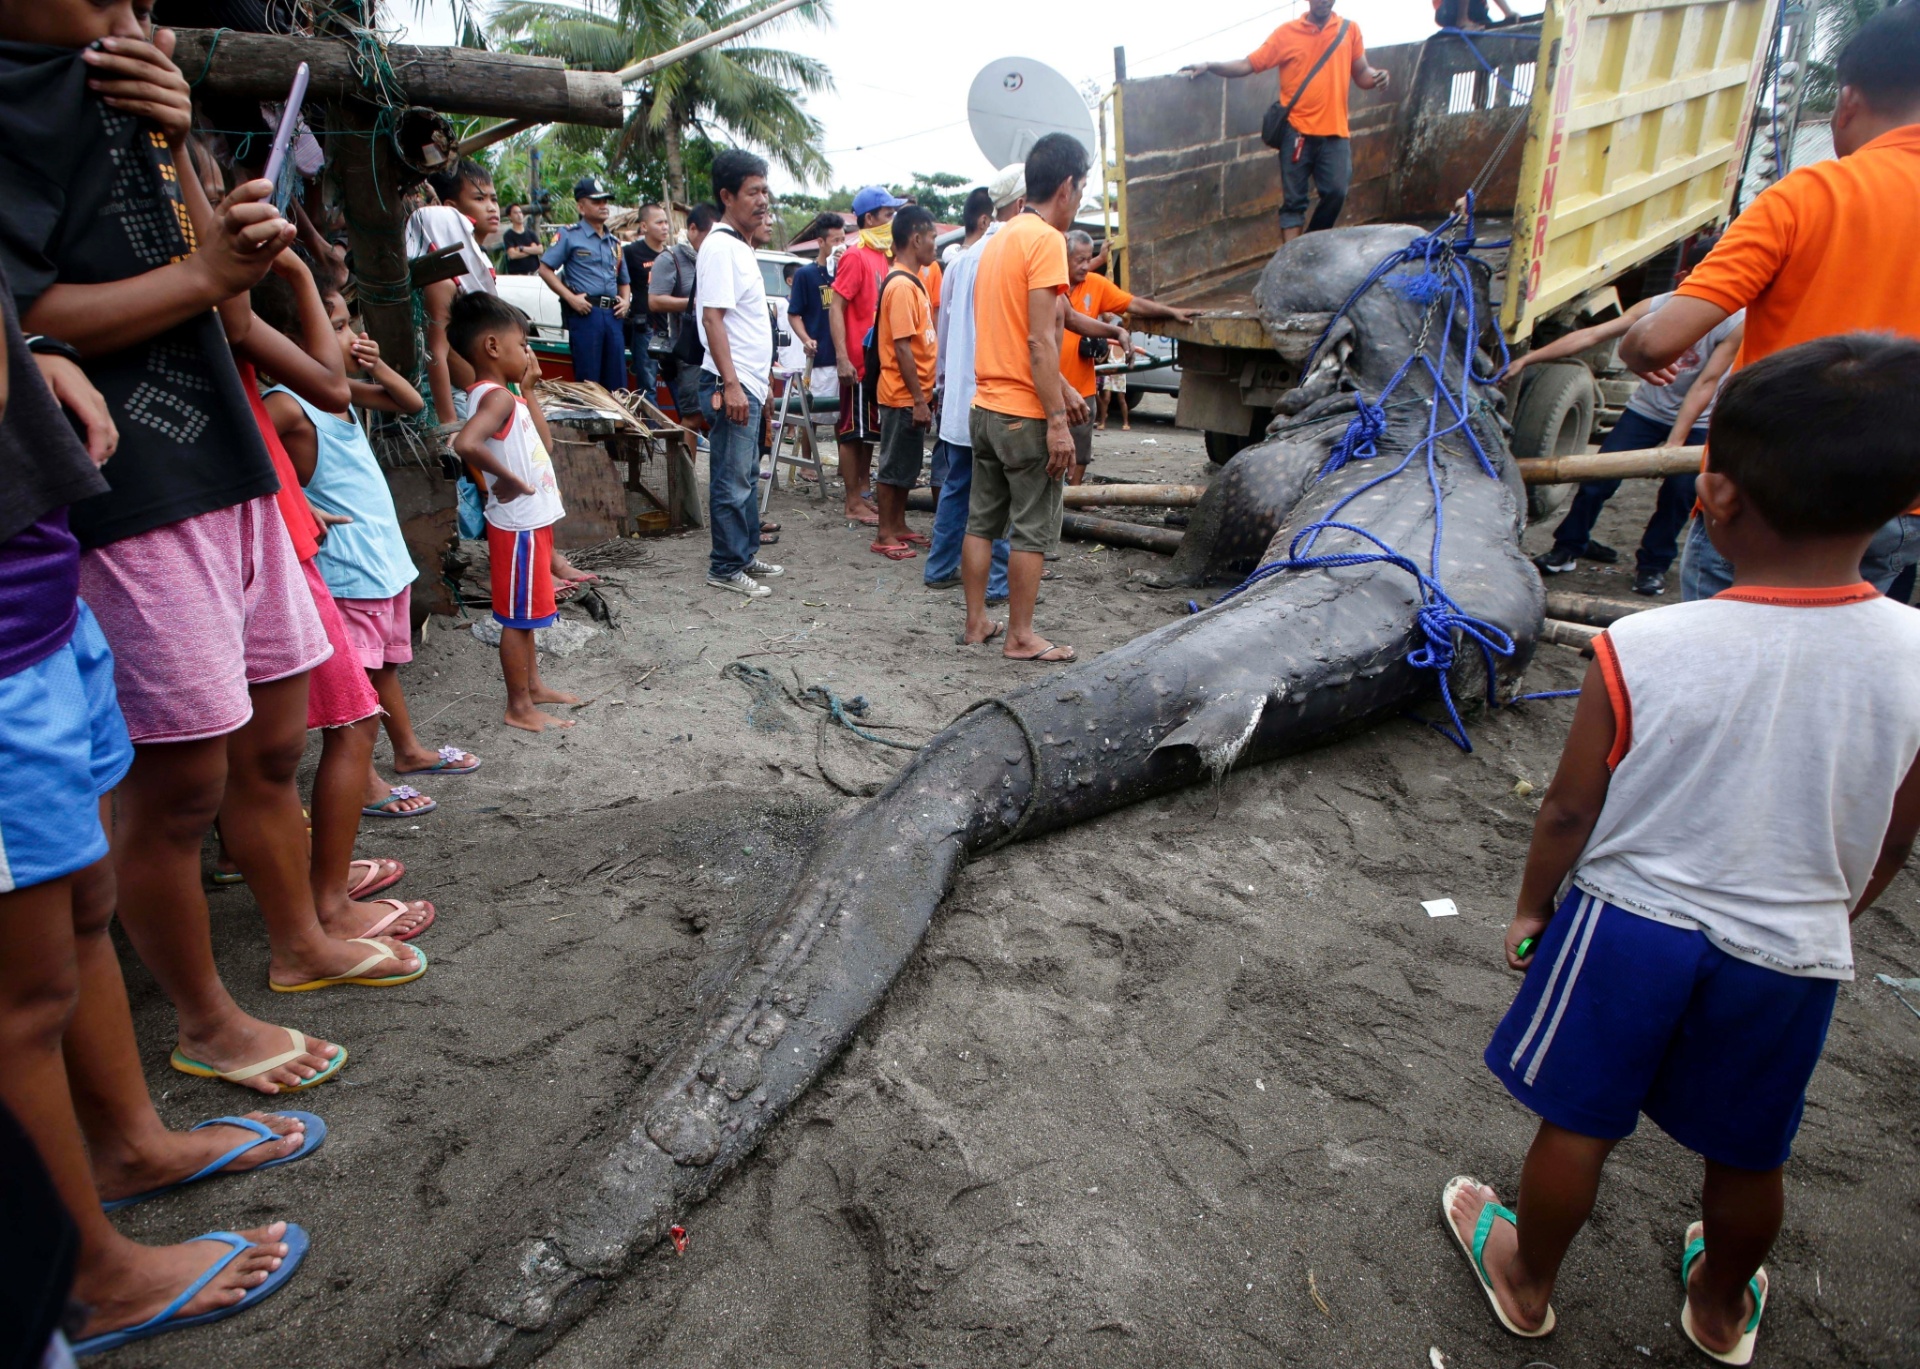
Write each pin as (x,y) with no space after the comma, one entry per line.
(1605,139)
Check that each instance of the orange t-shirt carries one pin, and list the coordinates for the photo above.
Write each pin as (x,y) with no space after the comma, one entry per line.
(1827,250)
(1293,48)
(930,278)
(1094,296)
(905,313)
(1028,254)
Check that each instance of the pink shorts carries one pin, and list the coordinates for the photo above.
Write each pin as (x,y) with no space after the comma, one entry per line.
(196,611)
(381,630)
(338,690)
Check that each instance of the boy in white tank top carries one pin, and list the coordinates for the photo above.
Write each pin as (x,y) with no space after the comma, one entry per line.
(1739,782)
(506,440)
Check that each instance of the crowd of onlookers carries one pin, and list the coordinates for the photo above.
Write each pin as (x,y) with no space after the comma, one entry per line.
(201,562)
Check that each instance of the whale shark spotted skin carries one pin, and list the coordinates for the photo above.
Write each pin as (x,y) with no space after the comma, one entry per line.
(1295,661)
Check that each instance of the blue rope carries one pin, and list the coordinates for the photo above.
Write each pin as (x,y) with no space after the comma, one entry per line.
(1545,694)
(1442,281)
(1467,37)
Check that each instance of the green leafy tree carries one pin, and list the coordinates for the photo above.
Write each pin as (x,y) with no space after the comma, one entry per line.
(941,193)
(737,92)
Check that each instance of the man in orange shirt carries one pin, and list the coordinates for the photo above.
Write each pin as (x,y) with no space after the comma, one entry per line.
(1316,146)
(904,347)
(1827,250)
(1090,296)
(1020,424)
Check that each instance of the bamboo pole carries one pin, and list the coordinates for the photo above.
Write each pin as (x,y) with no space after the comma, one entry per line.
(1576,635)
(642,69)
(1647,463)
(1590,609)
(1114,496)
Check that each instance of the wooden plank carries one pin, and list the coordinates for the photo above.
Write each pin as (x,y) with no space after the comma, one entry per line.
(454,80)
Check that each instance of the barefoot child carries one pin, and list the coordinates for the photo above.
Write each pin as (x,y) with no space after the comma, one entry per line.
(1739,783)
(506,440)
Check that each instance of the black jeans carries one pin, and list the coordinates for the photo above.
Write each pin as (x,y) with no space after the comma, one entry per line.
(1660,543)
(1324,163)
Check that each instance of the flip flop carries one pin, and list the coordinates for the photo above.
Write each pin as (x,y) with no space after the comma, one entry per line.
(1758,1285)
(918,539)
(766,527)
(264,1134)
(186,1064)
(1476,1252)
(894,551)
(164,1320)
(373,881)
(400,909)
(585,577)
(993,635)
(400,793)
(225,878)
(863,520)
(358,974)
(448,764)
(1048,658)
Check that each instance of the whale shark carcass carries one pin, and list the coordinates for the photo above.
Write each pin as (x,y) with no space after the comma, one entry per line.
(1295,660)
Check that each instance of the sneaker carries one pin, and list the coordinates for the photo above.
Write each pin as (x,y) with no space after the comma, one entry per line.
(1651,583)
(739,583)
(1599,553)
(1557,562)
(951,582)
(766,570)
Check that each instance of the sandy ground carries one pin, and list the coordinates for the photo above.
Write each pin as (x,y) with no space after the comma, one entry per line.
(1178,1086)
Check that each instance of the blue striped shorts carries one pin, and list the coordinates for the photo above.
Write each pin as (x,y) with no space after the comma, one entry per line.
(1621,1015)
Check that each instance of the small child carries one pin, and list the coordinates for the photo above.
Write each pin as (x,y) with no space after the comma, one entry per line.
(1739,783)
(506,440)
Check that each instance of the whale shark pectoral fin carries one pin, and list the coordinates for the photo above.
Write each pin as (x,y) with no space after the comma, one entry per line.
(1219,729)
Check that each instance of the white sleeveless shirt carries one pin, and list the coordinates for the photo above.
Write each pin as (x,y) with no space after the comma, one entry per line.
(1760,739)
(520,450)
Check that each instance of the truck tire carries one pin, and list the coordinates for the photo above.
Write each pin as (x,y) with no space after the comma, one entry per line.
(1223,447)
(1553,418)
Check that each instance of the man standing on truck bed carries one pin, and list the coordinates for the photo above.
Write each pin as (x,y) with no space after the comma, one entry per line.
(1827,250)
(1316,56)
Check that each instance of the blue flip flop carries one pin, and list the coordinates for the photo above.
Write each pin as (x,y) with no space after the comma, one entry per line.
(316,1133)
(165,1320)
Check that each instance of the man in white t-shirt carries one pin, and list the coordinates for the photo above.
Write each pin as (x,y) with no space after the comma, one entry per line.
(737,332)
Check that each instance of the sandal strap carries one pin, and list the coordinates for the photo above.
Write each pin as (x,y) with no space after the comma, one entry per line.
(380,953)
(1489,1214)
(272,1062)
(237,1246)
(263,1135)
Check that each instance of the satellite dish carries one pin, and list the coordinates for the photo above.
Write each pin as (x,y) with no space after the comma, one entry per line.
(1016,101)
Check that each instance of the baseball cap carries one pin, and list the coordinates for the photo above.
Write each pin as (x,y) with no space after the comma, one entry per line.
(1008,186)
(591,188)
(871,197)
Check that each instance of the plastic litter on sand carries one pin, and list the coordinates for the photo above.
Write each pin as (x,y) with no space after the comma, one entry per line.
(1440,907)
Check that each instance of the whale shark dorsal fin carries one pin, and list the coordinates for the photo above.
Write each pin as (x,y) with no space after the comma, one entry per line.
(1219,729)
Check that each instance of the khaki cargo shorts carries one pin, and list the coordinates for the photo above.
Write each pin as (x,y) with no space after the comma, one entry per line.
(1010,482)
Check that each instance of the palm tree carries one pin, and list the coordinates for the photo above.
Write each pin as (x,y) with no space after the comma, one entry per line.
(746,93)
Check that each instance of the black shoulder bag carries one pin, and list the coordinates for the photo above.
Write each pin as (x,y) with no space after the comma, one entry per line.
(1273,128)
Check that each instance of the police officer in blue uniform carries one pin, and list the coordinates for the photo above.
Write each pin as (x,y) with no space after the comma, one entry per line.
(592,282)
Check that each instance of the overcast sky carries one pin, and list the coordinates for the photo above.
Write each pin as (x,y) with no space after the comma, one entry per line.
(902,72)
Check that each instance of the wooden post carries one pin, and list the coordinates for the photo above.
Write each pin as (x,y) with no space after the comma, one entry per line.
(376,230)
(1589,609)
(1576,635)
(1116,533)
